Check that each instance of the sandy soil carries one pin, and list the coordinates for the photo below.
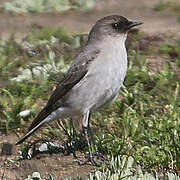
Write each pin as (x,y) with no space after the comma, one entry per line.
(61,166)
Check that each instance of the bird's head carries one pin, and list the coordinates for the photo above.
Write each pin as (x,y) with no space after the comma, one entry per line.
(112,26)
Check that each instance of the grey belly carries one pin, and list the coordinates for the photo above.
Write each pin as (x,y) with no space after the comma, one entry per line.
(99,87)
(92,93)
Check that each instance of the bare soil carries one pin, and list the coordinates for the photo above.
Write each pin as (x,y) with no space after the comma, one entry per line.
(74,21)
(59,166)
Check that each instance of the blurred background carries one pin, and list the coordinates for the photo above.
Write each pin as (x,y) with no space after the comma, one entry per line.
(140,132)
(79,15)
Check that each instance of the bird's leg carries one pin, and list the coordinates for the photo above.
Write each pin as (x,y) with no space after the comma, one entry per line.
(90,141)
(90,138)
(85,126)
(97,153)
(90,155)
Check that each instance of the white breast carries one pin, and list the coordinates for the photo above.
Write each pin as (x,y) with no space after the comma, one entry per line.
(103,80)
(108,72)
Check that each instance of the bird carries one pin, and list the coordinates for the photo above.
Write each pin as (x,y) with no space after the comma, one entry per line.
(93,80)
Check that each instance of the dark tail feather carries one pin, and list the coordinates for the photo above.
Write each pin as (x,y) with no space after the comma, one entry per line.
(29,133)
(36,124)
(40,117)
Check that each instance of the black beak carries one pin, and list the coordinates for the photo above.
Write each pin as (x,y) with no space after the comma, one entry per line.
(132,24)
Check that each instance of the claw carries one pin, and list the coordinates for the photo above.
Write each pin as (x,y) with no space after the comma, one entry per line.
(91,156)
(96,159)
(90,159)
(100,156)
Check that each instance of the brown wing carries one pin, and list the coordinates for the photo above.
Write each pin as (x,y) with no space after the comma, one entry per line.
(76,72)
(59,92)
(66,85)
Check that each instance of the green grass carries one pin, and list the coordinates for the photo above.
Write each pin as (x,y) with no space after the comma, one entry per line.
(29,70)
(172,6)
(143,123)
(34,6)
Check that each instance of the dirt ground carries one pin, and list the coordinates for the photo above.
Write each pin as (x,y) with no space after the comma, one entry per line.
(57,165)
(154,22)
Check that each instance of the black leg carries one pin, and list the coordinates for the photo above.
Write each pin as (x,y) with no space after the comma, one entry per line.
(90,155)
(97,153)
(88,140)
(92,137)
(91,142)
(85,126)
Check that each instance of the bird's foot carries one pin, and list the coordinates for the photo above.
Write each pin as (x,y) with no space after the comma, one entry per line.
(96,159)
(89,159)
(100,156)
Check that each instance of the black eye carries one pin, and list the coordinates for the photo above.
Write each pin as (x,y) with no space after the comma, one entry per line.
(115,25)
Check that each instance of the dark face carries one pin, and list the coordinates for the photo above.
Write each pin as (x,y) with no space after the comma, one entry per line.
(122,24)
(118,23)
(114,25)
